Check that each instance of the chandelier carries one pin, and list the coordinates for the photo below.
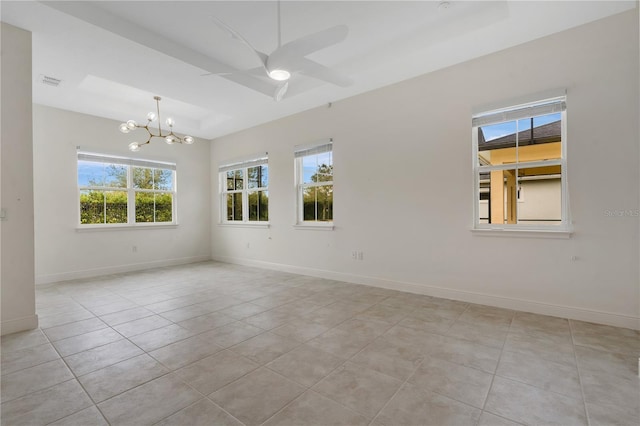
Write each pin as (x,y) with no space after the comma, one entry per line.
(171,138)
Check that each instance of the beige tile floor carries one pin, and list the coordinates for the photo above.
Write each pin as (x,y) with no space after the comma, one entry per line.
(217,344)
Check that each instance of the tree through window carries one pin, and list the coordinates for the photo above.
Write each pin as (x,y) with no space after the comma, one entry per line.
(314,173)
(117,190)
(244,190)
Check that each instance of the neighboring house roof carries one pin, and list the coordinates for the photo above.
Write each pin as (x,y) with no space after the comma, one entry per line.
(542,134)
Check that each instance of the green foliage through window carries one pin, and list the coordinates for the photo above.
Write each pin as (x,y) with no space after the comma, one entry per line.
(245,195)
(315,180)
(109,190)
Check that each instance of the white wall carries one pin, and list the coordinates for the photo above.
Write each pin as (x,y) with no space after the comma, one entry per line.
(403,183)
(62,252)
(17,279)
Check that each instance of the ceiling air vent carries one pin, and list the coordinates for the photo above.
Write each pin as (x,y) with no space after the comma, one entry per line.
(50,81)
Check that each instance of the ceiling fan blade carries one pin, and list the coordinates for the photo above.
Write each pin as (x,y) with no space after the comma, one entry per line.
(236,35)
(313,69)
(281,91)
(308,44)
(215,73)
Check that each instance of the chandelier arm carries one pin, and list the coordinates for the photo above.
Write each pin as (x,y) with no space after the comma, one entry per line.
(151,135)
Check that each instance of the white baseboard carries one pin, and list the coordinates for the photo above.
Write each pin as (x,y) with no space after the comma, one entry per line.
(108,270)
(19,324)
(448,293)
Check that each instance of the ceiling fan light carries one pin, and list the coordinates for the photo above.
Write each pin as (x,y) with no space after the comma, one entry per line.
(134,146)
(279,74)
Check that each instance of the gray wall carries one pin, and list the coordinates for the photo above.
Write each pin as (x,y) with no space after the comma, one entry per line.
(403,183)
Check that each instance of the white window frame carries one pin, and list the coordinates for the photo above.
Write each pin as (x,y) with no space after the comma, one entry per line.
(242,163)
(129,163)
(542,106)
(301,151)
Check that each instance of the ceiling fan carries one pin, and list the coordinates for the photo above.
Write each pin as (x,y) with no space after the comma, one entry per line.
(290,58)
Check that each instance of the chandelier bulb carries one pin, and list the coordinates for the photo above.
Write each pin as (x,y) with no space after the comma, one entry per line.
(188,140)
(124,128)
(134,146)
(151,116)
(170,122)
(132,124)
(170,139)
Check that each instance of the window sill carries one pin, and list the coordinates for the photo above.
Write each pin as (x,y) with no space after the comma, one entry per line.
(124,227)
(523,233)
(314,226)
(259,225)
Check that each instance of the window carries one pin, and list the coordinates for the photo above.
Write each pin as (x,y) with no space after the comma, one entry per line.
(118,190)
(244,190)
(521,150)
(314,181)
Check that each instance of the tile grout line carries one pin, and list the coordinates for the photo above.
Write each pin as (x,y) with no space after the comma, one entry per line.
(402,385)
(109,287)
(493,378)
(575,356)
(75,377)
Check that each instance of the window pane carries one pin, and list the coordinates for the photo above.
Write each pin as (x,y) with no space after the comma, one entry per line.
(540,201)
(497,197)
(484,199)
(534,198)
(101,174)
(91,207)
(496,143)
(154,207)
(116,206)
(164,207)
(318,203)
(257,177)
(547,126)
(145,207)
(259,206)
(324,195)
(162,179)
(540,138)
(309,203)
(264,176)
(234,206)
(142,178)
(230,179)
(115,176)
(317,168)
(239,179)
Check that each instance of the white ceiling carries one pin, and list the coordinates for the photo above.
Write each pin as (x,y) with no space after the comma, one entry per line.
(114,56)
